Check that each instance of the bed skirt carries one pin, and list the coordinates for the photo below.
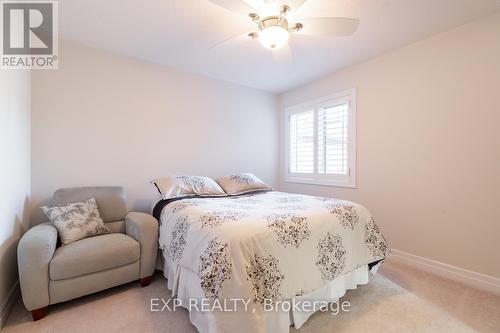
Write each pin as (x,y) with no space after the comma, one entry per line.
(185,287)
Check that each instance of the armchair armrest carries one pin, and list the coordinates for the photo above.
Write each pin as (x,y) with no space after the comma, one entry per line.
(34,253)
(144,229)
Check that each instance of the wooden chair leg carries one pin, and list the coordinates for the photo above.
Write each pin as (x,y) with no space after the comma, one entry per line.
(145,281)
(38,314)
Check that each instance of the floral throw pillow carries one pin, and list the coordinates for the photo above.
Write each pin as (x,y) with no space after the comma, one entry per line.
(242,183)
(76,221)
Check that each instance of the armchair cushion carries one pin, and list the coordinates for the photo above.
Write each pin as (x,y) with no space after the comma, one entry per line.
(92,255)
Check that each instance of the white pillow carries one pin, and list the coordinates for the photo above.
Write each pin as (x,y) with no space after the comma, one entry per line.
(181,186)
(242,183)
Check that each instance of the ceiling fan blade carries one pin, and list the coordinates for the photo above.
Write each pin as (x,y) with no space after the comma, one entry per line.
(232,41)
(283,55)
(295,4)
(328,26)
(236,6)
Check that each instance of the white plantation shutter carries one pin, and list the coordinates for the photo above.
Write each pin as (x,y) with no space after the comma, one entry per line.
(321,141)
(302,142)
(333,139)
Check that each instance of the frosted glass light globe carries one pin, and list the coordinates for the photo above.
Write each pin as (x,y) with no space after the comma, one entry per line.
(273,37)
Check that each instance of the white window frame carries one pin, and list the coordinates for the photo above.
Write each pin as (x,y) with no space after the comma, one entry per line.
(314,178)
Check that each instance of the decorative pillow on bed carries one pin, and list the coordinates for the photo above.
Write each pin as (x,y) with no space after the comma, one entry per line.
(242,183)
(181,186)
(77,220)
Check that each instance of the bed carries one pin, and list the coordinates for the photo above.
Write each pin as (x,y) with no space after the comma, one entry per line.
(247,256)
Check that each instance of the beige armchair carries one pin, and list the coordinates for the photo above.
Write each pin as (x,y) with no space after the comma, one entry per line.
(49,273)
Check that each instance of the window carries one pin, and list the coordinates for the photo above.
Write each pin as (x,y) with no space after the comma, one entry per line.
(321,141)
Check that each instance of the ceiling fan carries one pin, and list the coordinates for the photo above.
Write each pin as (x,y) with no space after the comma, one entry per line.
(275,20)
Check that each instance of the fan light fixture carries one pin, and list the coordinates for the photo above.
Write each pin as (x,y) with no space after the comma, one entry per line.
(274,31)
(274,25)
(273,37)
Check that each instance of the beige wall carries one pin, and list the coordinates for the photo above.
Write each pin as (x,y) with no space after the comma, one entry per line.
(428,144)
(14,174)
(104,119)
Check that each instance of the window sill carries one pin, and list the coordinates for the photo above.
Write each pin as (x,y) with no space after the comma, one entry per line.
(331,183)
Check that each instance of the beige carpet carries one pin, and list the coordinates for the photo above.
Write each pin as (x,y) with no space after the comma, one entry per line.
(381,306)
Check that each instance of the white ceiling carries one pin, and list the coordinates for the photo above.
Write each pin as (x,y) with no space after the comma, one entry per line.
(179,34)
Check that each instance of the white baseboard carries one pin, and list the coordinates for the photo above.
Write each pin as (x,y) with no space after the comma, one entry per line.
(9,303)
(471,278)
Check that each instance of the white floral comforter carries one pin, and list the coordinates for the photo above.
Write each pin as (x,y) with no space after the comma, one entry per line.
(271,245)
